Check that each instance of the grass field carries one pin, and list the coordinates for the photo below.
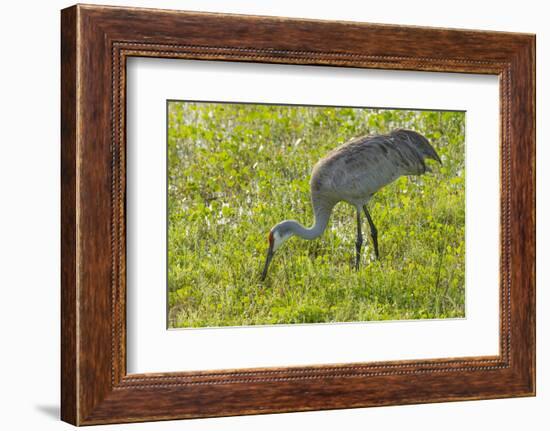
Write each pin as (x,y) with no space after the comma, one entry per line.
(236,170)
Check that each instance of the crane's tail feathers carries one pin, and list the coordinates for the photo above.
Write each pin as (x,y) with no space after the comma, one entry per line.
(435,157)
(417,143)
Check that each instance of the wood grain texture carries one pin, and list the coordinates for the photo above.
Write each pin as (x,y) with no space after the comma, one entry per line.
(96,41)
(69,366)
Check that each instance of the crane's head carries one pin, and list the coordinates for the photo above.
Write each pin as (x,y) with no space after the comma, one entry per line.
(419,143)
(277,236)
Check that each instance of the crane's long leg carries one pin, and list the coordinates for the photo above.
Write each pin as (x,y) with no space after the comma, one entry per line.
(359,241)
(373,232)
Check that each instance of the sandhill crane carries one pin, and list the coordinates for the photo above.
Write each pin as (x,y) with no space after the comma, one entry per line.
(352,173)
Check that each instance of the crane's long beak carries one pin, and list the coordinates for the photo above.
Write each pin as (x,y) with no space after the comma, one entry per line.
(267,262)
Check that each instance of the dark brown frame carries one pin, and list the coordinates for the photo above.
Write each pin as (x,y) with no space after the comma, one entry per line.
(95,43)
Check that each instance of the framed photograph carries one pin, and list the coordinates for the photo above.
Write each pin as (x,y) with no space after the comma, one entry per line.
(264,214)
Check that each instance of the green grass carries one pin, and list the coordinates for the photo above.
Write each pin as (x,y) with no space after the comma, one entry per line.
(236,170)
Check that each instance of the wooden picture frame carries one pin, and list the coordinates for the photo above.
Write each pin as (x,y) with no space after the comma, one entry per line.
(95,43)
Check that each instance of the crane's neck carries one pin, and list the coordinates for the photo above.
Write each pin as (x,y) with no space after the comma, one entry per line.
(322,211)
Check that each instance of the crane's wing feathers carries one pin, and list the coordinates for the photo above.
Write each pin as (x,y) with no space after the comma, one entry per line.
(360,167)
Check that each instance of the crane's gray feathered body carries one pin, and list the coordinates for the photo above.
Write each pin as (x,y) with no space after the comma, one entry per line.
(353,173)
(356,170)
